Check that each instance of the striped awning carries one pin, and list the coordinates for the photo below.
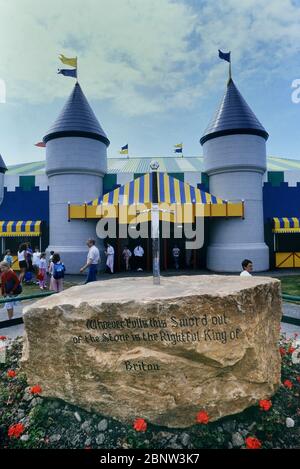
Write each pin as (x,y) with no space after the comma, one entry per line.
(286,225)
(20,228)
(133,196)
(170,190)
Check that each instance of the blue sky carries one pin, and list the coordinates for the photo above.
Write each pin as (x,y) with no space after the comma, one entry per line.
(149,68)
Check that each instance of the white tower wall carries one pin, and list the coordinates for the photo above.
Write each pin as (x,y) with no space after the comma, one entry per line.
(75,167)
(236,165)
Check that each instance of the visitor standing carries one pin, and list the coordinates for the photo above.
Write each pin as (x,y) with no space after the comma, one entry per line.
(29,254)
(8,257)
(22,261)
(176,254)
(42,275)
(36,260)
(57,273)
(126,256)
(10,286)
(110,253)
(138,255)
(247,266)
(93,259)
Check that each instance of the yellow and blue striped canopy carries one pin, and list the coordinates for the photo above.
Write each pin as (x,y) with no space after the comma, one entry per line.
(20,228)
(170,190)
(286,225)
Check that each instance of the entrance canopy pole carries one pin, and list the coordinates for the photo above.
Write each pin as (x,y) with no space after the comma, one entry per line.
(154,165)
(155,244)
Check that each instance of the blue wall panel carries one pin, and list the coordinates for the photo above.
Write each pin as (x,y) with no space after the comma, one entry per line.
(25,205)
(281,201)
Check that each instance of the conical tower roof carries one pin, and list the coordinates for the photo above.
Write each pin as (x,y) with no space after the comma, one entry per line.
(3,167)
(233,116)
(77,119)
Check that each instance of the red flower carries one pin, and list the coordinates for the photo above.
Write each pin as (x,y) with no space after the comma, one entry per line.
(291,350)
(252,443)
(264,404)
(288,384)
(140,425)
(36,389)
(16,430)
(11,374)
(202,417)
(282,351)
(3,337)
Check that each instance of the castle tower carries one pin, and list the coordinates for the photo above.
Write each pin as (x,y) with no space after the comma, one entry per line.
(3,170)
(76,161)
(234,148)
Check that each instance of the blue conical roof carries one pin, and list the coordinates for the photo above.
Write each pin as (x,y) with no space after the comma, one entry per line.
(3,167)
(233,116)
(77,119)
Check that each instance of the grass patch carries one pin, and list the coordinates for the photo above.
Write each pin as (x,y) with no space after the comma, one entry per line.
(290,284)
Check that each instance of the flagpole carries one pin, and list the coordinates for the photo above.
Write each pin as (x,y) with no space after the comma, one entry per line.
(230,76)
(76,69)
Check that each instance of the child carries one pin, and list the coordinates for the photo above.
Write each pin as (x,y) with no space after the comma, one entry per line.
(57,272)
(8,257)
(36,261)
(42,275)
(10,286)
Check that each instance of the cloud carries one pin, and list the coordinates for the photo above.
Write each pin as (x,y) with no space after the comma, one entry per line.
(142,56)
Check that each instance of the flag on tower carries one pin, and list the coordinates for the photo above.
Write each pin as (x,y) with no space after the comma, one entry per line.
(40,144)
(224,56)
(68,73)
(124,150)
(178,148)
(72,61)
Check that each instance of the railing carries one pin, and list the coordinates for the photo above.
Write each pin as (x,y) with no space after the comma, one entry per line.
(15,321)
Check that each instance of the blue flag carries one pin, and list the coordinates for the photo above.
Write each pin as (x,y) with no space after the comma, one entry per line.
(224,55)
(68,72)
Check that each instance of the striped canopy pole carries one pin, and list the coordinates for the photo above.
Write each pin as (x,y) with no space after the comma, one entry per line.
(155,226)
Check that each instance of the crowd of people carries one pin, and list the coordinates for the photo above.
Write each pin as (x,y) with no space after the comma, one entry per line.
(34,268)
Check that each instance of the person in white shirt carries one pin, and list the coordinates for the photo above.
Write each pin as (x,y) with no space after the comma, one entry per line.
(22,261)
(36,260)
(138,254)
(110,255)
(247,268)
(92,261)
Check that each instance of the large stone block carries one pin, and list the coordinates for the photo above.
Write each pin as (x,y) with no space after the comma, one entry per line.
(126,348)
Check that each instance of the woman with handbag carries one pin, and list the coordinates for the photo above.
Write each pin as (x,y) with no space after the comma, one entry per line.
(10,286)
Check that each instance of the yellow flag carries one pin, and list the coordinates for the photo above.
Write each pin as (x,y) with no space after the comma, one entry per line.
(68,61)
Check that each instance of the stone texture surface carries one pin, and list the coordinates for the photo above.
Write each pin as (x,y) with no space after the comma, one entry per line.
(126,348)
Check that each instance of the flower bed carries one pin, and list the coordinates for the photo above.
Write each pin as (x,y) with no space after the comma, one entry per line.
(27,420)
